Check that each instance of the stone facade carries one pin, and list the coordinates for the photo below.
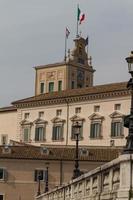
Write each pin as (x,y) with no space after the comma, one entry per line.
(49,119)
(112,181)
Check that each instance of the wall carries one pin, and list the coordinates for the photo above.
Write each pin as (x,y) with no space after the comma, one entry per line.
(20,182)
(68,111)
(8,124)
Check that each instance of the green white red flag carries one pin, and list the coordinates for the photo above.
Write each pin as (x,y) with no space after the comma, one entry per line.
(80,16)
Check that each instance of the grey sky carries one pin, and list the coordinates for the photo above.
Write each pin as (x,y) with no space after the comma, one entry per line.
(32,33)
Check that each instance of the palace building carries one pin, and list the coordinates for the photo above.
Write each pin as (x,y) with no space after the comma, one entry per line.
(64,95)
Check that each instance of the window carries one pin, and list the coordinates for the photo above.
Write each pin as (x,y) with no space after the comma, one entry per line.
(73,136)
(39,134)
(78,110)
(59,85)
(41,87)
(26,115)
(117,106)
(73,85)
(4,139)
(51,86)
(41,114)
(58,112)
(26,134)
(2,174)
(39,173)
(96,108)
(116,128)
(1,197)
(95,131)
(57,132)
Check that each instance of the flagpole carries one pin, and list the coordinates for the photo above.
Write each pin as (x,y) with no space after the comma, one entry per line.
(77,21)
(65,46)
(88,48)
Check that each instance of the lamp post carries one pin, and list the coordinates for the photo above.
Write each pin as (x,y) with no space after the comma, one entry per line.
(76,171)
(39,178)
(46,178)
(129,143)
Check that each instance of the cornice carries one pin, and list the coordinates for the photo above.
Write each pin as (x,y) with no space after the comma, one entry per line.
(73,99)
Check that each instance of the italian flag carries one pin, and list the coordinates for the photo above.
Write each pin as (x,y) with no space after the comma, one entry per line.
(80,16)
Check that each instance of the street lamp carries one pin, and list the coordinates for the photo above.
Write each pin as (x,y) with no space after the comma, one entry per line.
(76,171)
(129,143)
(46,178)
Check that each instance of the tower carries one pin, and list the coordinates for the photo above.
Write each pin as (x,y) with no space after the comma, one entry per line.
(75,72)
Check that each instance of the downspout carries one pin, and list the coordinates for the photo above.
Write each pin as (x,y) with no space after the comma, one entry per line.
(67,122)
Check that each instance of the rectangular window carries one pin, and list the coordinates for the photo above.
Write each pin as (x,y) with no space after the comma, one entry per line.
(26,134)
(26,115)
(1,197)
(117,106)
(41,114)
(73,133)
(116,129)
(41,88)
(96,108)
(73,85)
(95,131)
(2,173)
(78,110)
(57,132)
(4,139)
(59,85)
(39,174)
(51,86)
(39,134)
(58,112)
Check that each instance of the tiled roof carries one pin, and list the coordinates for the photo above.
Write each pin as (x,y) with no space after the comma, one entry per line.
(105,91)
(102,154)
(8,109)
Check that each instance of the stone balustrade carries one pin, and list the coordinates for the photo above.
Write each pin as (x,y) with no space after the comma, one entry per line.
(111,181)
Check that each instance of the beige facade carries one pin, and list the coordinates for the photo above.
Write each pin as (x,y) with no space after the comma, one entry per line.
(18,167)
(8,121)
(48,119)
(107,113)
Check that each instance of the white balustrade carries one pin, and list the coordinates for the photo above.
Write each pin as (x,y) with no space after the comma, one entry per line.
(108,182)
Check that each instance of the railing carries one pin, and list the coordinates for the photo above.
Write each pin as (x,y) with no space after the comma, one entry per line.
(110,181)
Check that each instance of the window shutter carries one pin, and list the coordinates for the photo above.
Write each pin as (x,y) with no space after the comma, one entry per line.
(53,134)
(5,174)
(112,129)
(36,134)
(92,131)
(35,175)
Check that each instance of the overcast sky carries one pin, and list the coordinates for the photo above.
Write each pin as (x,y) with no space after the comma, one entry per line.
(32,33)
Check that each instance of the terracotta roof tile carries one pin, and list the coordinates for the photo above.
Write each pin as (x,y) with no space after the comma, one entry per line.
(98,89)
(60,153)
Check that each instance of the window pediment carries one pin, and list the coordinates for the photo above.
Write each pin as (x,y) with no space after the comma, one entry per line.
(96,116)
(26,122)
(116,114)
(40,121)
(58,120)
(76,118)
